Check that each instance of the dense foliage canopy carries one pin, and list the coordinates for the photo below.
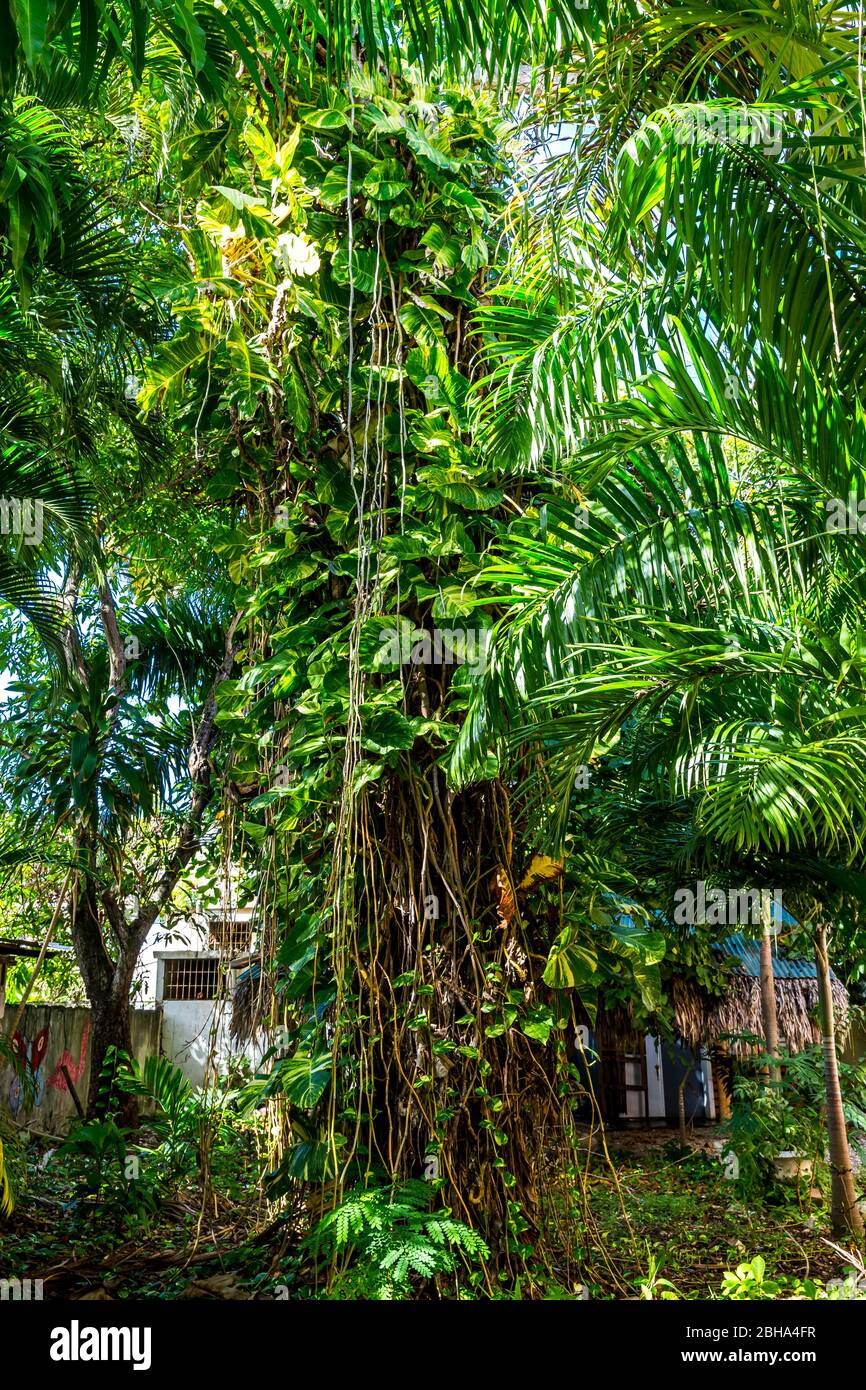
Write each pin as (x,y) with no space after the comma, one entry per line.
(436,447)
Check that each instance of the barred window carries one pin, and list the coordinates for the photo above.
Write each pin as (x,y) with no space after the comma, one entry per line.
(195,977)
(231,938)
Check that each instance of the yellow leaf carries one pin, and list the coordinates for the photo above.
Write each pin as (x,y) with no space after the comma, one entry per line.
(6,1199)
(541,870)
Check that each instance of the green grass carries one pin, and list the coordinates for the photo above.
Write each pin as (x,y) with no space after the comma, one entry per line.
(679,1217)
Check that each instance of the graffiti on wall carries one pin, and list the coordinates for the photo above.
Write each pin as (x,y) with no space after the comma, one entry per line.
(53,1047)
(31,1056)
(67,1065)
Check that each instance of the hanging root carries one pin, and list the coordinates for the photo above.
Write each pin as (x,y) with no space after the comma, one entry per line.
(440,1084)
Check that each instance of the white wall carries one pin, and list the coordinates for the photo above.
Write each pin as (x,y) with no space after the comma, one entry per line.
(709,1097)
(195,1032)
(195,1036)
(189,936)
(655,1086)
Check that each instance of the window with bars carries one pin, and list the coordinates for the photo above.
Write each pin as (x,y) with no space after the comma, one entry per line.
(191,977)
(231,938)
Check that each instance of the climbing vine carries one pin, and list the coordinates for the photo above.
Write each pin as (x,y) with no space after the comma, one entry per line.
(329,308)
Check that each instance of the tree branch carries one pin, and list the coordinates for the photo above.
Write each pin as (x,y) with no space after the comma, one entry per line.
(114,641)
(200,772)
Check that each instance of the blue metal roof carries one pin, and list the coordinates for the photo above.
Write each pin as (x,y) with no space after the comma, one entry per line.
(748,952)
(749,955)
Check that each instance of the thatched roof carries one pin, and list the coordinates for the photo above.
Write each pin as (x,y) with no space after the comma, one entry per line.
(15,946)
(251,1003)
(702,1020)
(615,1028)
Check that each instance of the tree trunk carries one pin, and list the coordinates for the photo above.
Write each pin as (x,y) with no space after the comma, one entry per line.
(769,1013)
(440,940)
(111,1029)
(681,1104)
(107,984)
(845,1213)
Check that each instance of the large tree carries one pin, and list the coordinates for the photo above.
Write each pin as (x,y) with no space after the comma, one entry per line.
(385,335)
(317,359)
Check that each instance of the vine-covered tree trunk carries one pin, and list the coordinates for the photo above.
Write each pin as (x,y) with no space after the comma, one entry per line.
(437,1049)
(460,1093)
(845,1213)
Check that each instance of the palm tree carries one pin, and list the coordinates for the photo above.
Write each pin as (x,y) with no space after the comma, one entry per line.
(680,350)
(101,763)
(713,604)
(488,34)
(75,325)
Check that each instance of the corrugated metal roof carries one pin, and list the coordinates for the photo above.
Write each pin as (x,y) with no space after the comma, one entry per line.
(15,946)
(748,952)
(749,955)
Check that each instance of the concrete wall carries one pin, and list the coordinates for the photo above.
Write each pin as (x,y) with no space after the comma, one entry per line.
(185,938)
(50,1036)
(195,1036)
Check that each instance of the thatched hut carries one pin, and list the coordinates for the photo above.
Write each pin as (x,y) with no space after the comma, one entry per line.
(638,1076)
(703,1020)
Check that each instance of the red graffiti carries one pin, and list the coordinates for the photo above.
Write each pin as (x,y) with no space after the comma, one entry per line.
(75,1069)
(38,1049)
(32,1055)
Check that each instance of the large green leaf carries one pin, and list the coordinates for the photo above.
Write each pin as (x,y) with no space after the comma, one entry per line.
(304,1078)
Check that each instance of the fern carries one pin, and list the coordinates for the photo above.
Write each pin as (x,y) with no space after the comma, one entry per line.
(389,1236)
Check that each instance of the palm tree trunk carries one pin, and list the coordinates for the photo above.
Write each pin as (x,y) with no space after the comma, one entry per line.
(769,1013)
(845,1214)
